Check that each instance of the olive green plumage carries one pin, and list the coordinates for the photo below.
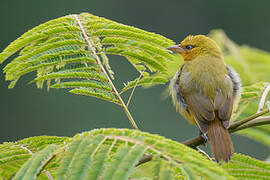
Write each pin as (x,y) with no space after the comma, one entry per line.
(205,90)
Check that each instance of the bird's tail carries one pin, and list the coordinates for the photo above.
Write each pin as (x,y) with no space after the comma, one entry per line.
(220,141)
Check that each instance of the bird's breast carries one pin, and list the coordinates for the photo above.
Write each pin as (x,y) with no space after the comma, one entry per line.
(206,76)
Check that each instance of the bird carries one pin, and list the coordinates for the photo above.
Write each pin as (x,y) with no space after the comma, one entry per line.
(205,91)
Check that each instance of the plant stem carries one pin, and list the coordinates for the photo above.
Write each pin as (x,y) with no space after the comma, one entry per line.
(255,122)
(263,98)
(92,49)
(236,124)
(133,90)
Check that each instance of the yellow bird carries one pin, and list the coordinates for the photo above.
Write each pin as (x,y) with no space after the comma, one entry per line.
(205,91)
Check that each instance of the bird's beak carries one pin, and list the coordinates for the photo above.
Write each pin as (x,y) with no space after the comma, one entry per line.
(176,48)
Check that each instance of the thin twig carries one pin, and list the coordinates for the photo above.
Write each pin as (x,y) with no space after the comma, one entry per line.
(133,90)
(263,98)
(236,124)
(47,173)
(255,122)
(194,142)
(92,49)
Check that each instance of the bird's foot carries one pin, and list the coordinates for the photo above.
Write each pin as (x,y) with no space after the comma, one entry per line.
(204,136)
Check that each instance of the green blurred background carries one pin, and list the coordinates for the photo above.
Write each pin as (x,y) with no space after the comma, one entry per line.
(28,111)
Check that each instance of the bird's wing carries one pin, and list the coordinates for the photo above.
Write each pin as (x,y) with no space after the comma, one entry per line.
(224,107)
(205,109)
(235,80)
(202,108)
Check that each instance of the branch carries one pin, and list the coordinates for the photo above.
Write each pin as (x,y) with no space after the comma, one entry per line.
(236,124)
(248,122)
(93,51)
(256,122)
(133,90)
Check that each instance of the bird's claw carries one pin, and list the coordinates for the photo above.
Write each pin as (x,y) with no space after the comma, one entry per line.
(204,136)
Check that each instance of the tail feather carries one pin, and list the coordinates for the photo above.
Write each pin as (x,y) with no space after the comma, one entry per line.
(220,141)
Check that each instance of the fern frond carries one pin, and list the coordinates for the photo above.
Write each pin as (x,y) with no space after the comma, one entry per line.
(35,164)
(110,154)
(163,170)
(80,163)
(253,91)
(176,153)
(95,93)
(244,167)
(99,163)
(188,173)
(57,51)
(85,40)
(86,84)
(14,155)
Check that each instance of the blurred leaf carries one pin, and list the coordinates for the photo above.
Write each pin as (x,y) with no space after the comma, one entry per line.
(110,154)
(244,167)
(14,154)
(260,134)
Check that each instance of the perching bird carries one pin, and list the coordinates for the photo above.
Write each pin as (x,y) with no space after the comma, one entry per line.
(205,91)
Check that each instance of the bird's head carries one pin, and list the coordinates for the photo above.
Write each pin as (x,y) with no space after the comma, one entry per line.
(194,46)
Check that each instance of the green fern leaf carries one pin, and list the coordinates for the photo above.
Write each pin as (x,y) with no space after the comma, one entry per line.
(84,40)
(110,154)
(81,162)
(162,170)
(188,173)
(33,167)
(98,163)
(14,155)
(244,167)
(253,91)
(121,152)
(174,152)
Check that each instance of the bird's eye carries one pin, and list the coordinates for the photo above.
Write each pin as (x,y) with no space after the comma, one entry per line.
(189,47)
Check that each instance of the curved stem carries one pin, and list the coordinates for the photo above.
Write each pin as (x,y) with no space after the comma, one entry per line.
(236,124)
(133,90)
(263,98)
(255,122)
(92,49)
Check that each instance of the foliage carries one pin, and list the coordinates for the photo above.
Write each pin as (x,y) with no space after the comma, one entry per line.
(113,154)
(70,52)
(59,52)
(244,167)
